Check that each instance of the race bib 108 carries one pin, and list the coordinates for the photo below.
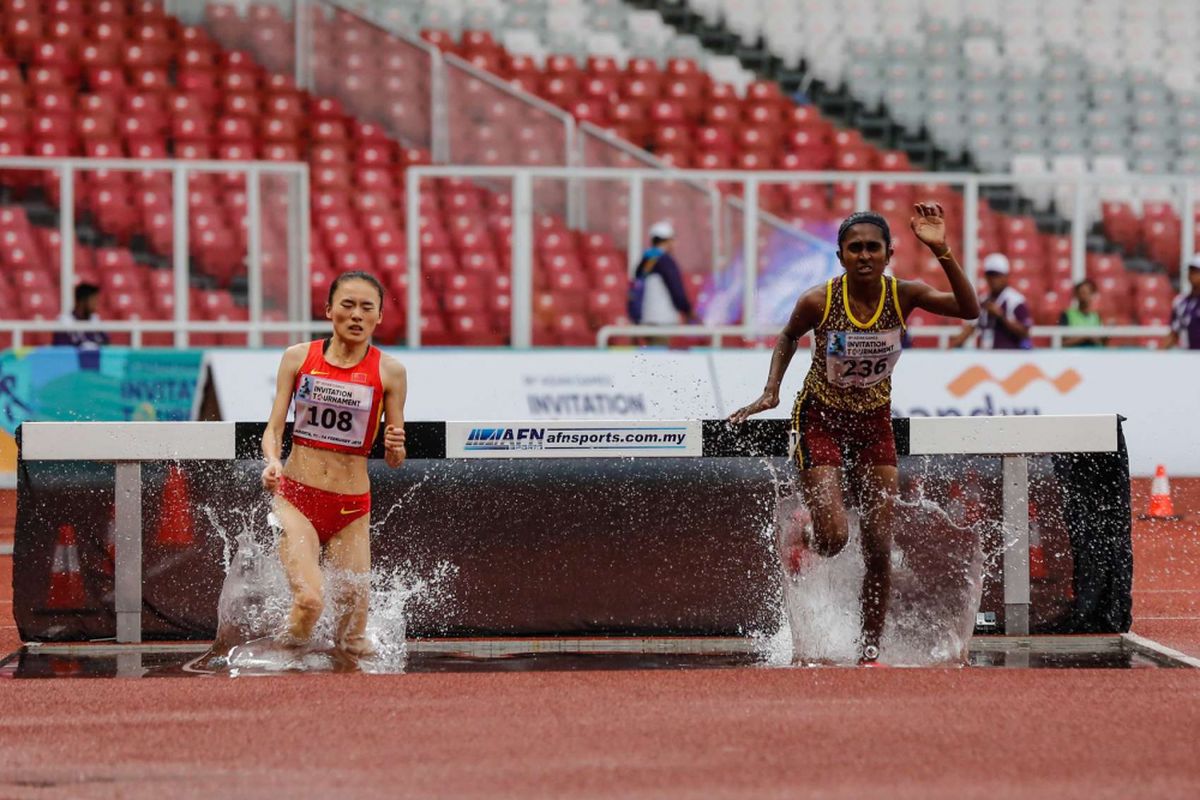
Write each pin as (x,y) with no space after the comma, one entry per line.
(334,412)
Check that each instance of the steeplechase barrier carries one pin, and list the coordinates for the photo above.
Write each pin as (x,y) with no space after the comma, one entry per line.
(556,528)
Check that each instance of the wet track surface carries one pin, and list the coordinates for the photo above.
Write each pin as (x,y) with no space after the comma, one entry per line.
(451,656)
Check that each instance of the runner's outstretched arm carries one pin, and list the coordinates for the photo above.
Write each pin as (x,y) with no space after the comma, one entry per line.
(805,316)
(929,225)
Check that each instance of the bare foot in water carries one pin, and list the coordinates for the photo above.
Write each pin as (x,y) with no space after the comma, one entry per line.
(357,647)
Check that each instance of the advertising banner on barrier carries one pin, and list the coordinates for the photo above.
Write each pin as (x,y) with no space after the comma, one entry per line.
(111,384)
(478,384)
(532,439)
(1157,392)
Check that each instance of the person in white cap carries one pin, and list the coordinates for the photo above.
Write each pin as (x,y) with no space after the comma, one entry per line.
(1185,312)
(1005,319)
(656,293)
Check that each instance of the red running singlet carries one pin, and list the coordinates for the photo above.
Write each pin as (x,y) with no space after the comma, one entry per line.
(338,408)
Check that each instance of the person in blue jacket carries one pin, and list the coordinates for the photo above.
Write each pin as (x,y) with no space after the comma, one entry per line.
(657,295)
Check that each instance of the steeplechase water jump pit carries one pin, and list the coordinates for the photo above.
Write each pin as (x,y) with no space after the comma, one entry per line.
(143,549)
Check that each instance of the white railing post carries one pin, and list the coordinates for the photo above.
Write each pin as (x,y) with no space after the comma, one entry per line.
(66,235)
(303,231)
(1079,233)
(1187,231)
(714,216)
(179,255)
(750,251)
(412,214)
(302,21)
(439,127)
(574,206)
(970,259)
(254,283)
(633,243)
(862,193)
(522,260)
(299,270)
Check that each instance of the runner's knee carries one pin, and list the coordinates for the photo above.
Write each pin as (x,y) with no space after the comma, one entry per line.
(309,603)
(829,535)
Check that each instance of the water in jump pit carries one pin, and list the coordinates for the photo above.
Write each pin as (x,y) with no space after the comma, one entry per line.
(255,603)
(937,572)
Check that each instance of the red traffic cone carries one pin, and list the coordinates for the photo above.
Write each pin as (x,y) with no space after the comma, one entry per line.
(1037,554)
(66,667)
(175,524)
(66,582)
(1161,507)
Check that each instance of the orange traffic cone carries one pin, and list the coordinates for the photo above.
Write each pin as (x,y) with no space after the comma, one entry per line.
(66,581)
(175,526)
(1037,554)
(66,667)
(1161,507)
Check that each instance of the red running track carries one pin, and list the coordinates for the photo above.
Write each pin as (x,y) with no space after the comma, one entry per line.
(701,733)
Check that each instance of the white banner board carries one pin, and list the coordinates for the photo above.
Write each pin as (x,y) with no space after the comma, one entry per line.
(612,439)
(1159,393)
(480,384)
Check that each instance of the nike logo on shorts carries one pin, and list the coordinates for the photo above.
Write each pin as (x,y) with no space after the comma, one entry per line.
(349,511)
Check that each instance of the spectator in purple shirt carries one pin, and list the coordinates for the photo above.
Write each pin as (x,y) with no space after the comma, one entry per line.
(665,301)
(657,294)
(1005,321)
(1185,313)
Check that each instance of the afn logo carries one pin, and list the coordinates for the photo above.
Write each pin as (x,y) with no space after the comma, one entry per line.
(505,438)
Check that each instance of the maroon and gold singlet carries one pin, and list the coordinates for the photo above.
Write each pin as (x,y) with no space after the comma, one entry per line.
(845,405)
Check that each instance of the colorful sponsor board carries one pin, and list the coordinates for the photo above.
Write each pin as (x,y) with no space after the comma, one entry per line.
(110,384)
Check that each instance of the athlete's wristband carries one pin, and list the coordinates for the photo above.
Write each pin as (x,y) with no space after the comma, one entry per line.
(945,255)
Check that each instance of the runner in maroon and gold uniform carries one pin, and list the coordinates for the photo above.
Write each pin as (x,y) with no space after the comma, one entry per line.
(842,416)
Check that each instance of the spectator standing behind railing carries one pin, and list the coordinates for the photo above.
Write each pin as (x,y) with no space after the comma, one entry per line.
(1083,314)
(87,299)
(1005,321)
(656,292)
(1185,313)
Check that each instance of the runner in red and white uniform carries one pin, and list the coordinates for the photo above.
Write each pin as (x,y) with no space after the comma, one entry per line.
(842,416)
(344,390)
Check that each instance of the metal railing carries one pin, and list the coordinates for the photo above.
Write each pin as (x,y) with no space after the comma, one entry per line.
(139,329)
(521,180)
(296,302)
(716,334)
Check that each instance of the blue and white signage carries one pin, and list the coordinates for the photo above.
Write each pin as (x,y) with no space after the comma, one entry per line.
(537,439)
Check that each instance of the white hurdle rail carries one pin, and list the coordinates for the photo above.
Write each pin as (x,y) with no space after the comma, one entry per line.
(128,444)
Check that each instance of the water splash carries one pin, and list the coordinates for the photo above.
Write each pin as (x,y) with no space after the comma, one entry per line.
(938,568)
(255,603)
